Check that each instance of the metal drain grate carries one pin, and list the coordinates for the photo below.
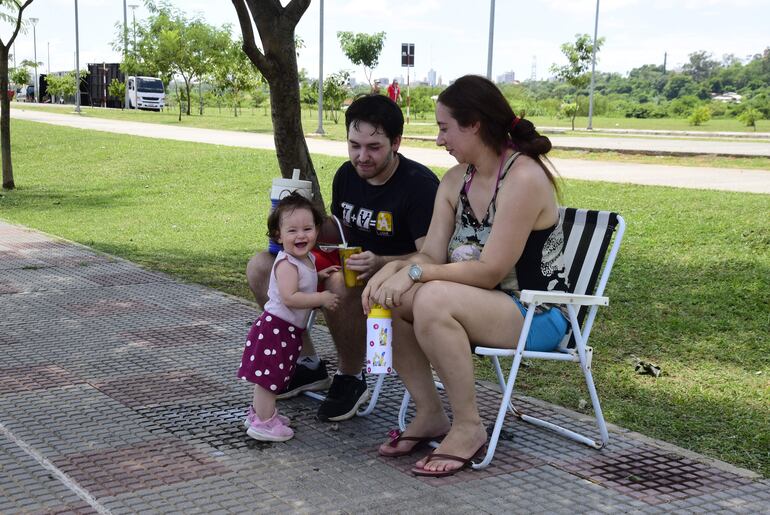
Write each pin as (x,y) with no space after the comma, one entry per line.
(653,475)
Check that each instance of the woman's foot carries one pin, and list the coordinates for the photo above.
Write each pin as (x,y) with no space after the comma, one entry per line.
(420,431)
(461,443)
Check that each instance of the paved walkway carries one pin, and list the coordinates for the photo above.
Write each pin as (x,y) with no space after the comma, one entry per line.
(724,179)
(118,395)
(668,145)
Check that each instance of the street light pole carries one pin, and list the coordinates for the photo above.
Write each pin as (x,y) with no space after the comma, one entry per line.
(593,71)
(48,63)
(125,29)
(125,50)
(133,15)
(320,129)
(77,61)
(34,43)
(491,37)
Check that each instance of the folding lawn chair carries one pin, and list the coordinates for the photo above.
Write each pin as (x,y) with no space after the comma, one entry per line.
(587,236)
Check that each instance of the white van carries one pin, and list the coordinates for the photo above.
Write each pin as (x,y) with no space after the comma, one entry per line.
(145,93)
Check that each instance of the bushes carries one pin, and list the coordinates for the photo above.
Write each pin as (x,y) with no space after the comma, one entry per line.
(699,115)
(750,116)
(645,111)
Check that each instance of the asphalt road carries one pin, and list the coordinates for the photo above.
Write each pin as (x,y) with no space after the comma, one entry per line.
(723,179)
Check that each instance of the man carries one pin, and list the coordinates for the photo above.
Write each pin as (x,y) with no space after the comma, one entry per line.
(394,91)
(384,202)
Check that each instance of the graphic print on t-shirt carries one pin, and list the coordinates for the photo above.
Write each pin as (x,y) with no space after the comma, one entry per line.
(364,219)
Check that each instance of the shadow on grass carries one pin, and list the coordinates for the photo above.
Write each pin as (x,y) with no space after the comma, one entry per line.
(37,199)
(225,271)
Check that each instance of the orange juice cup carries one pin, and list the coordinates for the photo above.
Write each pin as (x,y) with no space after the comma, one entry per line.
(351,276)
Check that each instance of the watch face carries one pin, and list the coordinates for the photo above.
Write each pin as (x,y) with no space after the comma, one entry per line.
(415,272)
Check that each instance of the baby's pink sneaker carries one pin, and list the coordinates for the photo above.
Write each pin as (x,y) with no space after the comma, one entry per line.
(251,416)
(270,430)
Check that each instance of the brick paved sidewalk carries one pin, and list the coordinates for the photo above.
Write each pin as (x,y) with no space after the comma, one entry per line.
(118,394)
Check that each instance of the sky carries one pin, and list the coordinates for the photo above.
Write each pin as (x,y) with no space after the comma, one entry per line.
(450,36)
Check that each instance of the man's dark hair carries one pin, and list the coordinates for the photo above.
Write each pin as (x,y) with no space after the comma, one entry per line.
(379,111)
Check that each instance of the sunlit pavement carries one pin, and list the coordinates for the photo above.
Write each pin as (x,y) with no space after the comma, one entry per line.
(118,395)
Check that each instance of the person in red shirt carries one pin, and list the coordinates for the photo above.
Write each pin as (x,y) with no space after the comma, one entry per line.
(394,91)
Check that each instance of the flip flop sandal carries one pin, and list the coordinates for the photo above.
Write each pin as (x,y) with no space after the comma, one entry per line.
(464,463)
(396,436)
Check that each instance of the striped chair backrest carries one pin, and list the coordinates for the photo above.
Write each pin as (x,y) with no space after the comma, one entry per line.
(587,235)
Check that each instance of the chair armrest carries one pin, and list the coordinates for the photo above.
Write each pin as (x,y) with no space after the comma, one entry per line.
(559,297)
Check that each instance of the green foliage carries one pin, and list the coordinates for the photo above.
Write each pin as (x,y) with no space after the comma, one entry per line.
(681,107)
(579,56)
(20,76)
(567,110)
(117,89)
(259,96)
(362,49)
(65,85)
(336,90)
(233,75)
(750,117)
(644,111)
(701,66)
(700,115)
(168,43)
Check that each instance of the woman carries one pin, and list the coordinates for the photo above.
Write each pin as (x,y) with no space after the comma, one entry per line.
(495,231)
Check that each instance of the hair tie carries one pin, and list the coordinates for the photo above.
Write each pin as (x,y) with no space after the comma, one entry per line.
(515,122)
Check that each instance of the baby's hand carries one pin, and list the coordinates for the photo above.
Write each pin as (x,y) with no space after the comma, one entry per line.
(329,300)
(326,272)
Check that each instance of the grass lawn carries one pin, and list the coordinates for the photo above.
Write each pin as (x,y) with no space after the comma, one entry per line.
(689,292)
(258,119)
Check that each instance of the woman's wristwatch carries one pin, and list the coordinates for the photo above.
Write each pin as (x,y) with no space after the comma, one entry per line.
(415,273)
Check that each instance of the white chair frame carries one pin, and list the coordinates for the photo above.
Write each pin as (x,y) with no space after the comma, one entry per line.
(581,354)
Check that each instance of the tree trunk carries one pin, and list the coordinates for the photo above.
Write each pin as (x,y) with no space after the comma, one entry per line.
(187,90)
(5,121)
(278,64)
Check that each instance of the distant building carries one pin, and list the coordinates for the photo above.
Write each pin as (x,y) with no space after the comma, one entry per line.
(384,81)
(507,78)
(728,97)
(432,77)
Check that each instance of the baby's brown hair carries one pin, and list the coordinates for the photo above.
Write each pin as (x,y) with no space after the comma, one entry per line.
(288,204)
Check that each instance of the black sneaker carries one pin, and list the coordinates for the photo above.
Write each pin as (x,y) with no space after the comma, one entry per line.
(307,380)
(346,395)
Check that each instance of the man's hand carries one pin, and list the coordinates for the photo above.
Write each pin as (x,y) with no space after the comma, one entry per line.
(365,263)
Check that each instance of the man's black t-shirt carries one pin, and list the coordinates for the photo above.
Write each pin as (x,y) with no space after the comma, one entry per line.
(388,218)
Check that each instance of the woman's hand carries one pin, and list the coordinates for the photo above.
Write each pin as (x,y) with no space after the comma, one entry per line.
(387,292)
(376,281)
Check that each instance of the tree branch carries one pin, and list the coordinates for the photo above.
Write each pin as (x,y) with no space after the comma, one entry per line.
(18,25)
(295,9)
(250,47)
